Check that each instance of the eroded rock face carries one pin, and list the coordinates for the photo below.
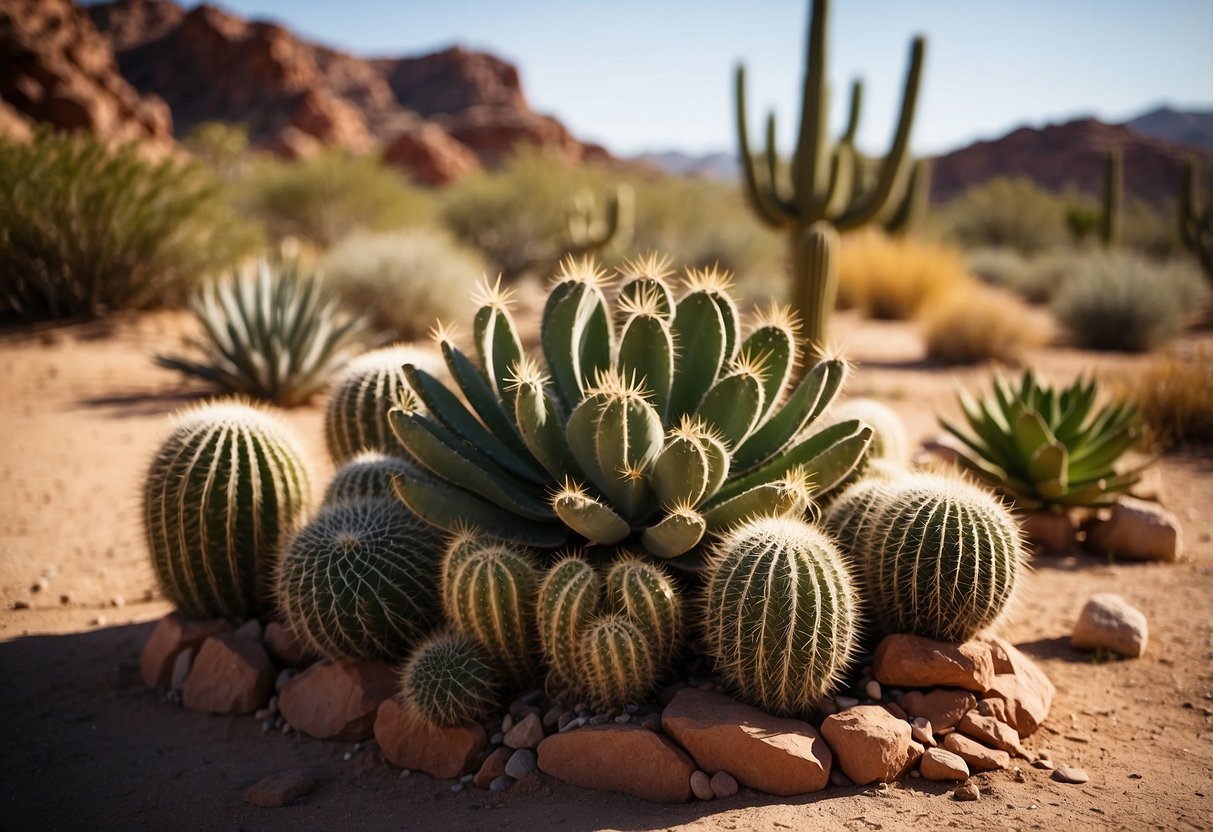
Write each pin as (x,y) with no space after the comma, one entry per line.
(619,758)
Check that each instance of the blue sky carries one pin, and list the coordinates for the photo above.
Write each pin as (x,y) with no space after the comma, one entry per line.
(657,74)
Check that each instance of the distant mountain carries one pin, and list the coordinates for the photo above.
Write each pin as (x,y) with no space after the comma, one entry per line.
(1192,128)
(722,167)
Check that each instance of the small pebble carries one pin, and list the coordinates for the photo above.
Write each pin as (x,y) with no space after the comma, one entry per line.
(632,708)
(467,778)
(724,784)
(497,739)
(701,785)
(100,621)
(651,724)
(601,719)
(21,605)
(872,689)
(920,730)
(507,722)
(264,714)
(1070,774)
(968,791)
(404,772)
(521,763)
(844,702)
(915,774)
(501,783)
(40,585)
(1020,777)
(552,717)
(837,778)
(250,629)
(566,719)
(283,677)
(457,787)
(64,598)
(623,719)
(117,601)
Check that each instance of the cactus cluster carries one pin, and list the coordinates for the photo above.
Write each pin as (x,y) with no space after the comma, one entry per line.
(938,556)
(359,581)
(655,424)
(223,492)
(448,680)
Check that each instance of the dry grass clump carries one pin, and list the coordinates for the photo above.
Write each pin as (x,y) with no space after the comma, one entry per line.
(982,324)
(893,278)
(1174,395)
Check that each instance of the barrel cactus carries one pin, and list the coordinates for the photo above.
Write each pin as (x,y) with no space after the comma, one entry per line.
(224,490)
(615,661)
(489,592)
(643,593)
(569,596)
(448,680)
(939,556)
(359,581)
(779,614)
(653,425)
(356,417)
(368,475)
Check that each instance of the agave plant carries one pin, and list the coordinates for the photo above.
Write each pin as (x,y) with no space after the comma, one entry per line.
(1046,448)
(270,332)
(651,424)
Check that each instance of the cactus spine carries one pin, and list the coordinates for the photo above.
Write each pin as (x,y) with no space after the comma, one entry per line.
(779,614)
(358,581)
(368,476)
(823,193)
(939,556)
(356,417)
(224,490)
(489,593)
(448,680)
(615,661)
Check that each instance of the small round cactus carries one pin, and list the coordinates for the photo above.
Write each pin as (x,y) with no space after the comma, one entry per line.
(644,593)
(358,581)
(615,661)
(368,476)
(489,591)
(370,386)
(939,556)
(222,493)
(779,614)
(568,598)
(448,680)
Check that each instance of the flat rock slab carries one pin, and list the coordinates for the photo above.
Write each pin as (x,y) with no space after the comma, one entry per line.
(978,756)
(768,753)
(173,634)
(941,764)
(619,758)
(230,675)
(281,789)
(410,741)
(1109,622)
(909,661)
(989,731)
(336,700)
(870,744)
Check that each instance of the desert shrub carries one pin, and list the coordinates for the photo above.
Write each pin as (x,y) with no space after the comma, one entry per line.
(1012,213)
(1174,395)
(981,324)
(221,146)
(1001,267)
(328,197)
(892,278)
(403,281)
(86,229)
(1117,301)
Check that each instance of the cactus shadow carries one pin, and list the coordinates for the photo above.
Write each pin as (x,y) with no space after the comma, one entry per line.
(1057,647)
(143,403)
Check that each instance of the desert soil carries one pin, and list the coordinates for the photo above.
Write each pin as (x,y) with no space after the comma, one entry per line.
(86,746)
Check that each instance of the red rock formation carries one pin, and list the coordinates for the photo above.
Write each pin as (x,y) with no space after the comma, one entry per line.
(430,155)
(55,68)
(452,81)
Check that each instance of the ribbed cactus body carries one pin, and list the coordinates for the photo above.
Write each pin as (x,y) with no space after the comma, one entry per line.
(488,593)
(224,490)
(939,556)
(779,614)
(644,593)
(568,597)
(356,417)
(368,476)
(359,581)
(615,660)
(449,680)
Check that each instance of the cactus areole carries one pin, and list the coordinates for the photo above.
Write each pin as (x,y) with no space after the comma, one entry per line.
(827,191)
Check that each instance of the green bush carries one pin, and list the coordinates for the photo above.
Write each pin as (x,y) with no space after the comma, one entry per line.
(1117,301)
(85,229)
(1014,213)
(329,196)
(403,281)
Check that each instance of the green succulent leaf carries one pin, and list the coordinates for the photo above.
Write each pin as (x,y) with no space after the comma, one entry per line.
(453,510)
(701,341)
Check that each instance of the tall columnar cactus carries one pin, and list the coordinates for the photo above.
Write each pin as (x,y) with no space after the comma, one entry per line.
(489,592)
(359,581)
(356,417)
(779,614)
(448,680)
(1196,218)
(223,492)
(616,663)
(368,476)
(591,230)
(824,192)
(939,556)
(1111,223)
(654,425)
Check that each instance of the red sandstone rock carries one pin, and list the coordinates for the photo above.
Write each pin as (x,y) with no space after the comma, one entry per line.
(1022,686)
(410,741)
(768,753)
(943,707)
(619,758)
(1049,532)
(430,156)
(336,701)
(231,675)
(870,744)
(1136,530)
(904,660)
(286,648)
(989,731)
(173,634)
(941,764)
(492,767)
(281,789)
(978,756)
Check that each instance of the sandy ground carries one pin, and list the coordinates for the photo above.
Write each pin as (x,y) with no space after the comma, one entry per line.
(86,746)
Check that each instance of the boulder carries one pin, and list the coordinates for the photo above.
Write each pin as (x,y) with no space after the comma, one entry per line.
(230,675)
(941,764)
(172,634)
(1109,622)
(410,741)
(978,756)
(870,744)
(768,753)
(619,758)
(1136,530)
(942,707)
(904,660)
(336,700)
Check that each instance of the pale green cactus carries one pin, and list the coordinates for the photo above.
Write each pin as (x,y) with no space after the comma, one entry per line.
(615,661)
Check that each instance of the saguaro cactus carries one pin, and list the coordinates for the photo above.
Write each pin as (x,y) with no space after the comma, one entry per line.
(1196,218)
(1112,221)
(822,195)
